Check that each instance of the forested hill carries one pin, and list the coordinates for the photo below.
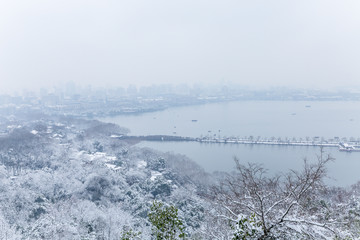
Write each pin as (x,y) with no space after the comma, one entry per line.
(66,178)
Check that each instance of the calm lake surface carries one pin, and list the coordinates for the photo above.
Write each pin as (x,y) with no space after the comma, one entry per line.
(255,118)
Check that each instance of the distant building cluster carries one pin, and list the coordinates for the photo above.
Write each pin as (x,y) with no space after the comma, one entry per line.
(97,102)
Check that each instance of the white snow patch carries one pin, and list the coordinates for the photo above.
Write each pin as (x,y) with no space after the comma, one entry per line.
(154,175)
(13,126)
(141,164)
(116,136)
(57,135)
(100,154)
(112,166)
(111,158)
(34,132)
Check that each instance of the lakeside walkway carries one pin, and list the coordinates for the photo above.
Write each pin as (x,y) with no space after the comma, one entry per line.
(342,144)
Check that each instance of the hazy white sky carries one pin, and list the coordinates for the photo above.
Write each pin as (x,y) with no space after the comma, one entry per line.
(307,43)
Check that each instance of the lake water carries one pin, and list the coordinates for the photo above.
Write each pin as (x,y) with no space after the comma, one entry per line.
(255,118)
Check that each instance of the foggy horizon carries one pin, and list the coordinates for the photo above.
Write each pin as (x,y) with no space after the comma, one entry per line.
(258,44)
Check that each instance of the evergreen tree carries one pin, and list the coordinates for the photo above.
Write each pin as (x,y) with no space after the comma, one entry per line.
(165,222)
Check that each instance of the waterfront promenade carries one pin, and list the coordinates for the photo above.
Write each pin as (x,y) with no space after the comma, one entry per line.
(343,144)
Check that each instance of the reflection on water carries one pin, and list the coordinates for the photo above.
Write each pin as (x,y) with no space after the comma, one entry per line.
(219,157)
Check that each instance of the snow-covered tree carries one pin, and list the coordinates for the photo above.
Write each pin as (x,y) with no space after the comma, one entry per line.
(281,207)
(7,232)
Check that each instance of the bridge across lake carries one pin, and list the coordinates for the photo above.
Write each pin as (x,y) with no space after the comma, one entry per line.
(343,144)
